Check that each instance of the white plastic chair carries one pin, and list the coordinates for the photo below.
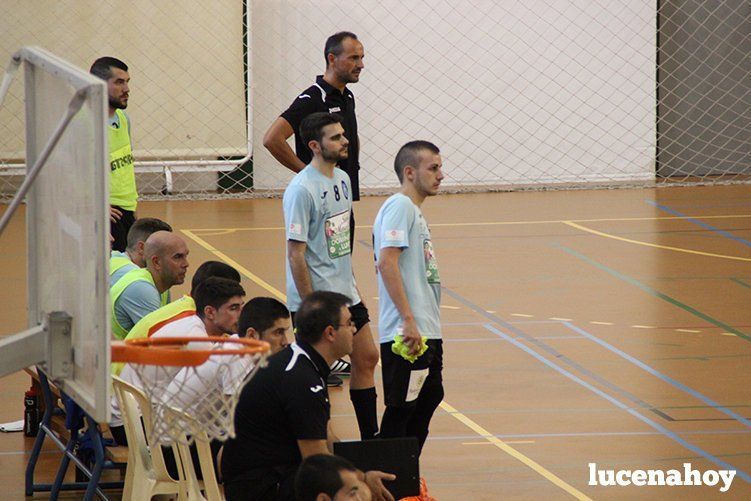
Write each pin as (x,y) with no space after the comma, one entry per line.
(209,484)
(146,474)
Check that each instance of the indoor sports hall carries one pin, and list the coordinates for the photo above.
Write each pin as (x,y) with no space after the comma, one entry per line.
(593,229)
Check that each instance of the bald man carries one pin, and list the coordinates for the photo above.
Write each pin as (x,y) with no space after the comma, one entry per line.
(141,291)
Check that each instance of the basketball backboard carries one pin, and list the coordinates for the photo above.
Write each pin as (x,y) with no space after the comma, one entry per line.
(67,229)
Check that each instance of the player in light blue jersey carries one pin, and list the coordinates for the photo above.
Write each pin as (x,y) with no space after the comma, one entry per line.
(317,205)
(409,289)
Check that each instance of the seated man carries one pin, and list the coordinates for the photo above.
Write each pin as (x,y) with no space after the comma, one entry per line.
(123,262)
(180,308)
(266,319)
(283,413)
(325,477)
(218,305)
(143,290)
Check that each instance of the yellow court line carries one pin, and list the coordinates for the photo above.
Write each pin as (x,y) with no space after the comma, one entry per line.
(444,405)
(512,452)
(506,223)
(203,243)
(637,242)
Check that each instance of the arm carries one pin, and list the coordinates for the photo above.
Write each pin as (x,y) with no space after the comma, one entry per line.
(388,267)
(310,447)
(298,267)
(275,140)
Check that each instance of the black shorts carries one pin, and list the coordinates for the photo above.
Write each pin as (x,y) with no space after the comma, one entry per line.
(359,313)
(119,229)
(397,373)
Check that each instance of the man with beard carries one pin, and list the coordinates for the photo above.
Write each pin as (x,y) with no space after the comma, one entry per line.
(123,194)
(319,197)
(344,55)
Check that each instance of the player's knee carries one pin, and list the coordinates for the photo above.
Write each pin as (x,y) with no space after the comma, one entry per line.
(365,360)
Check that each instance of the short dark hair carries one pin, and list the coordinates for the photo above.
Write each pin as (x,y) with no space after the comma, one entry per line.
(311,127)
(319,474)
(215,291)
(143,228)
(213,269)
(101,67)
(260,313)
(408,155)
(317,311)
(334,44)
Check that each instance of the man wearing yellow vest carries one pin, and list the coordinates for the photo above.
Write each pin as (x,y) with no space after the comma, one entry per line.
(123,194)
(123,262)
(179,308)
(143,290)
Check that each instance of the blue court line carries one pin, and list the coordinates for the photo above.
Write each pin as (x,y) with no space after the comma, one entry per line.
(549,349)
(658,374)
(654,292)
(700,223)
(620,404)
(507,436)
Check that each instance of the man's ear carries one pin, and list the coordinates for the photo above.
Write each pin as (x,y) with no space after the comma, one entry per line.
(139,247)
(251,333)
(209,312)
(323,497)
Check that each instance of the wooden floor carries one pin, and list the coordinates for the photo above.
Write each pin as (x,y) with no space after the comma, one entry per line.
(608,327)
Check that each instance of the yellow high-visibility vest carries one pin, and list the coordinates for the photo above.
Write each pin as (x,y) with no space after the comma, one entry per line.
(180,308)
(140,274)
(123,191)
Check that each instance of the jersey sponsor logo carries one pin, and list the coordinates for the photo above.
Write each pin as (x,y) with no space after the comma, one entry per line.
(295,228)
(121,162)
(316,389)
(335,109)
(394,235)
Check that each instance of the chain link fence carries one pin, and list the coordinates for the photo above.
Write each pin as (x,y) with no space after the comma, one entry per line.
(541,94)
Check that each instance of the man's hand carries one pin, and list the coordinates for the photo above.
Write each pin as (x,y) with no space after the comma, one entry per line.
(374,479)
(115,214)
(412,337)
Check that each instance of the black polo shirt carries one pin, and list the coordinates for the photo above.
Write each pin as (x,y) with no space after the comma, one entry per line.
(285,402)
(323,97)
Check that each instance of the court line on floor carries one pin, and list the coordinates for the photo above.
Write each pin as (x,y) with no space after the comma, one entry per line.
(560,357)
(444,405)
(659,375)
(224,257)
(740,282)
(504,223)
(654,292)
(656,246)
(699,223)
(670,434)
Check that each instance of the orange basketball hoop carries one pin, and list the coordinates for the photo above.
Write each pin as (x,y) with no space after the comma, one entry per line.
(193,383)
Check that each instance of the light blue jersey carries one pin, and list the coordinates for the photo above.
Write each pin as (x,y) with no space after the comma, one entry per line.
(400,224)
(120,267)
(317,212)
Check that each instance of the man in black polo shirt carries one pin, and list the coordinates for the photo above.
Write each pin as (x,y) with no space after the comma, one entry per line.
(344,55)
(283,413)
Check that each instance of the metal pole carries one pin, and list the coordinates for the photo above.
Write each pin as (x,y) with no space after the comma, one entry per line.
(75,104)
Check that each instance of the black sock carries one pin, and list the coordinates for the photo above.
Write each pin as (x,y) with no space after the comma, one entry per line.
(364,402)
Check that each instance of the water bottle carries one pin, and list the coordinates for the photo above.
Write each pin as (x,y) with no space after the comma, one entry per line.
(31,413)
